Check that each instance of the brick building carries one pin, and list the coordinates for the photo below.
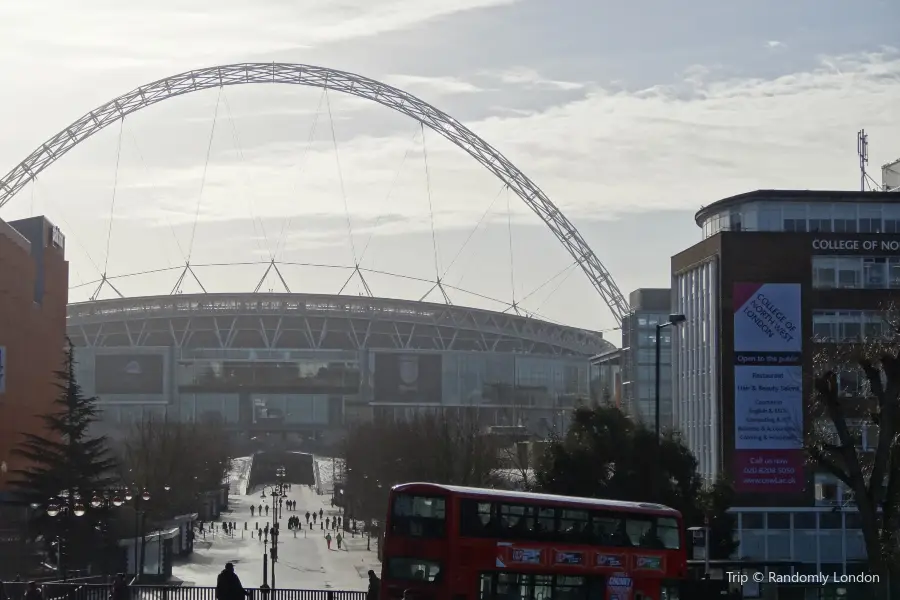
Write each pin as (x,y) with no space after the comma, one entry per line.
(33,295)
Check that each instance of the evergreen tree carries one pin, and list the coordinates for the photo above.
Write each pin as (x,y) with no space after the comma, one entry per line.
(716,500)
(65,460)
(604,454)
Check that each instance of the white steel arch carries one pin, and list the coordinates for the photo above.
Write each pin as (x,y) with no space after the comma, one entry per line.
(308,75)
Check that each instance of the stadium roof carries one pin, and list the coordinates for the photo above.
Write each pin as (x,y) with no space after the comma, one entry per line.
(318,322)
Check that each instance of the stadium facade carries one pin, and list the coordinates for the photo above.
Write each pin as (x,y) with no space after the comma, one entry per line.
(311,364)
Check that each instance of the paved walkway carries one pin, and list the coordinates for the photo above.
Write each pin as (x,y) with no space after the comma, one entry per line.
(304,561)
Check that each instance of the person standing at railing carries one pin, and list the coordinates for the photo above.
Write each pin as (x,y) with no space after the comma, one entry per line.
(120,589)
(32,592)
(229,586)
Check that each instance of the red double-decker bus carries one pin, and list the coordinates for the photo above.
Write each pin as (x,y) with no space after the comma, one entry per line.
(445,542)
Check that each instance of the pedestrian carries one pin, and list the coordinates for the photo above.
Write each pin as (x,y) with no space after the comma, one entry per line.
(228,585)
(334,524)
(339,539)
(307,517)
(320,513)
(374,586)
(328,540)
(260,509)
(315,516)
(267,510)
(32,592)
(252,511)
(119,588)
(327,523)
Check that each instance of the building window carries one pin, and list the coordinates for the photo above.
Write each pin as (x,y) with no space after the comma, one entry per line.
(854,272)
(875,273)
(870,225)
(795,225)
(844,225)
(824,272)
(847,326)
(820,225)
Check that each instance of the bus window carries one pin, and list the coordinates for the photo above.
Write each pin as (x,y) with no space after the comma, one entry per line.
(545,525)
(419,516)
(414,569)
(669,533)
(643,533)
(608,530)
(573,526)
(476,518)
(516,520)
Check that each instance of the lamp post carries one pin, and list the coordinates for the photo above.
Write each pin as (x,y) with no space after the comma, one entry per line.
(65,505)
(277,493)
(104,500)
(139,499)
(674,319)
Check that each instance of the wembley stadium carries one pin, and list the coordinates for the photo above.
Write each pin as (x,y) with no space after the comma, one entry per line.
(316,362)
(312,364)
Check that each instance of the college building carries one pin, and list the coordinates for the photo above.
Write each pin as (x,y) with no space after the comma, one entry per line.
(777,273)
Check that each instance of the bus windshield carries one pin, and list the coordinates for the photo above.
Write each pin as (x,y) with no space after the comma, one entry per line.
(419,516)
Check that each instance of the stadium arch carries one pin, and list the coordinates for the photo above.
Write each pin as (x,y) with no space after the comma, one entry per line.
(330,79)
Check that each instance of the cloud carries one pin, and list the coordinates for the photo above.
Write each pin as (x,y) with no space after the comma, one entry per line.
(529,78)
(673,146)
(436,86)
(597,151)
(100,34)
(774,44)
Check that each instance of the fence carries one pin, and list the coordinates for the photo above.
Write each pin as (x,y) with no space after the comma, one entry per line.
(93,591)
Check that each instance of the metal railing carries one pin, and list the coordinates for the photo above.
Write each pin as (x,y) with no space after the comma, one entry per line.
(93,591)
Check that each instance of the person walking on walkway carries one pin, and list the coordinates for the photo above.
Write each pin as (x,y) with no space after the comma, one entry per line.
(327,523)
(339,539)
(328,540)
(307,517)
(252,511)
(228,585)
(320,514)
(374,586)
(267,510)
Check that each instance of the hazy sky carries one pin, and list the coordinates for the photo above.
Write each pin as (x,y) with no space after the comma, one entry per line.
(629,115)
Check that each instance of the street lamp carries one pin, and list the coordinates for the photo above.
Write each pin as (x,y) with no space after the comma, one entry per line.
(277,493)
(104,500)
(139,498)
(674,319)
(65,505)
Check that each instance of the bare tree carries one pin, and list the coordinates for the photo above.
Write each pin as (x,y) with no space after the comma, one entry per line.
(516,470)
(438,447)
(857,388)
(176,463)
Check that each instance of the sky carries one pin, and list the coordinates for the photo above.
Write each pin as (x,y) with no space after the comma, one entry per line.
(629,116)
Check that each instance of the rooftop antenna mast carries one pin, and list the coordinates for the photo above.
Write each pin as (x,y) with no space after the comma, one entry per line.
(862,149)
